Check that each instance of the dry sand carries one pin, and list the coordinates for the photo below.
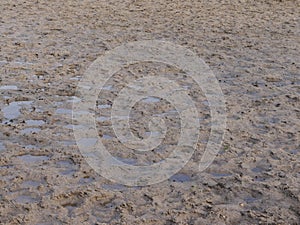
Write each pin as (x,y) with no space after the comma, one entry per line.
(251,46)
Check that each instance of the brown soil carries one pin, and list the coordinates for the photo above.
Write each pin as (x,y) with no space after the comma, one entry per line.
(251,46)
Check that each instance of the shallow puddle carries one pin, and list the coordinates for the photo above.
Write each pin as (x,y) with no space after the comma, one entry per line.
(154,133)
(25,199)
(63,111)
(71,127)
(87,142)
(31,130)
(102,118)
(86,180)
(127,160)
(107,137)
(257,170)
(250,199)
(64,163)
(151,100)
(77,78)
(33,158)
(2,147)
(2,62)
(295,151)
(105,106)
(260,179)
(35,122)
(30,184)
(67,167)
(31,147)
(168,113)
(68,143)
(12,111)
(219,175)
(107,88)
(9,87)
(74,99)
(180,177)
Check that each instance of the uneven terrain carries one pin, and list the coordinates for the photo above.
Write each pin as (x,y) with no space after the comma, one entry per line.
(251,46)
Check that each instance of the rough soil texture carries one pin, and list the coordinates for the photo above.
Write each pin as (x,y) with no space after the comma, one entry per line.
(251,46)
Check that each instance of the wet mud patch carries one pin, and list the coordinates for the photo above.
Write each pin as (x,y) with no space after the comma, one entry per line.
(252,48)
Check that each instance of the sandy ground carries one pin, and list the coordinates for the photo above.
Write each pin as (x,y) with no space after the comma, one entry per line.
(251,46)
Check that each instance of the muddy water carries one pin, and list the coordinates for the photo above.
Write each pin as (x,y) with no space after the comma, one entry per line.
(251,46)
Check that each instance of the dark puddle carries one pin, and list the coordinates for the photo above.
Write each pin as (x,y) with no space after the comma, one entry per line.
(180,177)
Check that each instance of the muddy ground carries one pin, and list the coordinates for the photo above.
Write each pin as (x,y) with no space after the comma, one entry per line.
(251,46)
